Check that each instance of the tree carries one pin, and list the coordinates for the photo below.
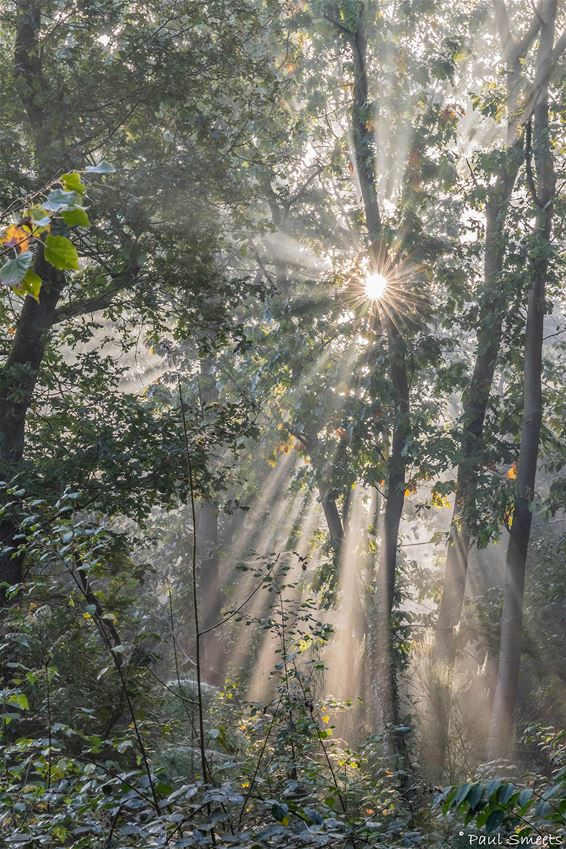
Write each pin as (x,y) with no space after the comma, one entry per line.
(131,246)
(542,194)
(505,166)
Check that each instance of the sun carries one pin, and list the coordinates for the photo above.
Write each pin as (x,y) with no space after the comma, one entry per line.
(375,286)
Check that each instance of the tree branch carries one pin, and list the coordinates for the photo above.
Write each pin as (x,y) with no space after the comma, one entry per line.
(88,305)
(504,27)
(522,47)
(98,302)
(540,81)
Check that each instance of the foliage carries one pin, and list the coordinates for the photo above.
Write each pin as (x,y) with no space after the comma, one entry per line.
(513,808)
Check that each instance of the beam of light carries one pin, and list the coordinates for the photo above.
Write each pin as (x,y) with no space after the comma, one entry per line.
(260,683)
(375,286)
(345,655)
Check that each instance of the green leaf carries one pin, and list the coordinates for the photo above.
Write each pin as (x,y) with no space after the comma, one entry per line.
(102,168)
(30,285)
(39,217)
(505,793)
(13,272)
(279,812)
(76,217)
(461,794)
(448,800)
(72,182)
(525,796)
(492,787)
(58,199)
(475,796)
(494,820)
(18,699)
(103,672)
(61,253)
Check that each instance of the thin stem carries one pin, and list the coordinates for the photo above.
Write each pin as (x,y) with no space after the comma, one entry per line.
(49,730)
(194,586)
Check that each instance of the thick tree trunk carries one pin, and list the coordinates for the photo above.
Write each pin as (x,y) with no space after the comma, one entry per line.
(332,516)
(505,699)
(18,378)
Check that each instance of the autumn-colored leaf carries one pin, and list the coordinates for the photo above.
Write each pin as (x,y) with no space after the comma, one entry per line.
(16,237)
(410,489)
(512,471)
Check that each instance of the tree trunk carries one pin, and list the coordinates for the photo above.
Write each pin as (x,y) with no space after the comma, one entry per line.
(492,312)
(364,151)
(332,516)
(18,378)
(391,521)
(500,742)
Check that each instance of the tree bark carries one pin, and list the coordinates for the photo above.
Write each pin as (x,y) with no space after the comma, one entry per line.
(500,742)
(18,378)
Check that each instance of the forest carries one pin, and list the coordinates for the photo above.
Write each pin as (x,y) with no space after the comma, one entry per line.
(282,424)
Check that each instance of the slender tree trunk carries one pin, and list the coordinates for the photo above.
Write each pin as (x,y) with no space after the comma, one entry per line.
(364,151)
(505,699)
(492,313)
(493,308)
(390,538)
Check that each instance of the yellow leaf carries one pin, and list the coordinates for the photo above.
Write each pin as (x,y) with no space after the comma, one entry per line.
(439,500)
(326,719)
(15,237)
(512,471)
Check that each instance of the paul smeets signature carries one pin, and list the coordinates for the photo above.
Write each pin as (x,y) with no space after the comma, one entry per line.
(537,840)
